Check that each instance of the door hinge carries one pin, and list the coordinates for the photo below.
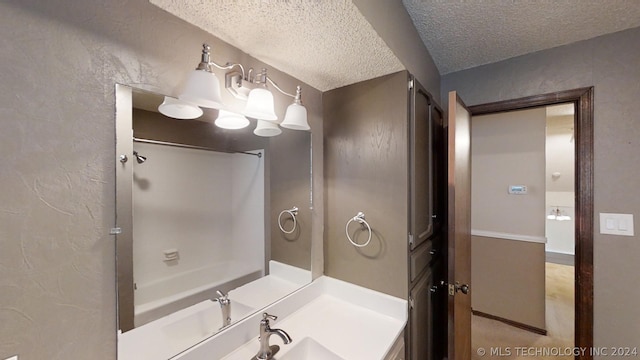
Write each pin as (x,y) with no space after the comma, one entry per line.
(411,84)
(410,239)
(115,231)
(411,304)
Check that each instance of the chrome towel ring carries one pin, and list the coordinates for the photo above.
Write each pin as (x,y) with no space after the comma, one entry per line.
(359,218)
(293,212)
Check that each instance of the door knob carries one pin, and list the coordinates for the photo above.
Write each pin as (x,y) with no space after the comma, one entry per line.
(453,289)
(464,288)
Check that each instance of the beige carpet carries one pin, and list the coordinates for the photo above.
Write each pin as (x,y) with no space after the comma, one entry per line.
(495,340)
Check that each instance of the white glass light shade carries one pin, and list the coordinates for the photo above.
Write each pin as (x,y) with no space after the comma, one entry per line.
(260,105)
(267,129)
(203,89)
(295,118)
(231,120)
(178,109)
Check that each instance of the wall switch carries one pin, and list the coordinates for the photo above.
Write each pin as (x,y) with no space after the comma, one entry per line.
(616,224)
(610,224)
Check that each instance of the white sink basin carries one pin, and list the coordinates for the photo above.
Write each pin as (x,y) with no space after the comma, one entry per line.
(202,323)
(308,349)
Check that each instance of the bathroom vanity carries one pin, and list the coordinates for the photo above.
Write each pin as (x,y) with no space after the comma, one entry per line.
(328,318)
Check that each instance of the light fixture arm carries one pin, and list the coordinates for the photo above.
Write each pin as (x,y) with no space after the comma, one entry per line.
(206,62)
(298,89)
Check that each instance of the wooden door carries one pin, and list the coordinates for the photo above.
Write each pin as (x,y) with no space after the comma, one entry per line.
(459,230)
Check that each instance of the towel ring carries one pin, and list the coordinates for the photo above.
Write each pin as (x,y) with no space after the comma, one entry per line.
(292,212)
(359,218)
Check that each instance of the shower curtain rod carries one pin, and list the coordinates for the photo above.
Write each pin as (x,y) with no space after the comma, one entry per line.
(158,142)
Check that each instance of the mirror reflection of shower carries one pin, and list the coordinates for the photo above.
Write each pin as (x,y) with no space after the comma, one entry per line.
(139,158)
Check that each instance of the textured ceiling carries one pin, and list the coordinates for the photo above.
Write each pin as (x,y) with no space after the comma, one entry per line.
(464,34)
(326,44)
(329,44)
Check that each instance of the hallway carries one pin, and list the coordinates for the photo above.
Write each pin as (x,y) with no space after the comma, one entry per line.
(493,339)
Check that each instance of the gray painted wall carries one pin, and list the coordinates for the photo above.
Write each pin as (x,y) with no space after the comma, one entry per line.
(611,64)
(366,167)
(60,61)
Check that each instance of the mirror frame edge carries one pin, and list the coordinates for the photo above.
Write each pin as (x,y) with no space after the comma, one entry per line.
(124,207)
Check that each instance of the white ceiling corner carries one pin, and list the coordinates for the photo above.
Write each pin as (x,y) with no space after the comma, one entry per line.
(326,44)
(465,34)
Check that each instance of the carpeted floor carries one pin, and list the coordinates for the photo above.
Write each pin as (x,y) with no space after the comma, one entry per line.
(495,340)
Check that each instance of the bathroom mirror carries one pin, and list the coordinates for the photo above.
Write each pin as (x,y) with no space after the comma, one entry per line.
(212,224)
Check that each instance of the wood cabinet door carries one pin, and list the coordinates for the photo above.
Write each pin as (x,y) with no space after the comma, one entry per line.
(420,167)
(421,318)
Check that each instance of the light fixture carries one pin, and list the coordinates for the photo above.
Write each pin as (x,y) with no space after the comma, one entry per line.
(230,120)
(260,101)
(267,129)
(296,116)
(202,88)
(178,109)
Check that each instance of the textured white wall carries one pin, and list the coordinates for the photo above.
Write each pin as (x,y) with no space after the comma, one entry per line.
(560,156)
(610,64)
(561,234)
(59,62)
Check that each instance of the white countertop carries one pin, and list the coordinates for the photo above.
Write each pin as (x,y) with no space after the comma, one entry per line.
(350,321)
(164,338)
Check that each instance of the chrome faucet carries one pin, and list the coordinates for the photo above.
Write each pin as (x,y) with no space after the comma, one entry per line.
(266,352)
(225,306)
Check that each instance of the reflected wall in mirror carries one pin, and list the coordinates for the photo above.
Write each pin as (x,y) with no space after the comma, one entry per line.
(200,210)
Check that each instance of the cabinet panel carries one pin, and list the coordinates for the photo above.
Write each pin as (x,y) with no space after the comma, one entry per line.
(397,351)
(439,170)
(421,319)
(421,165)
(420,259)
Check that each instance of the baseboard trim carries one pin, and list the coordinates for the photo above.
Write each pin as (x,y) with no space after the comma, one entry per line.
(560,258)
(519,325)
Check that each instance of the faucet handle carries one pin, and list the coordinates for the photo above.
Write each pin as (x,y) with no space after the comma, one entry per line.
(223,299)
(267,317)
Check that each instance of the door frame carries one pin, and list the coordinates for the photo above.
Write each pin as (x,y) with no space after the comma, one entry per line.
(584,224)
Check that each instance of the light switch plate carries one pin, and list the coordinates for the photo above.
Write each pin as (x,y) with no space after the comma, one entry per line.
(616,224)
